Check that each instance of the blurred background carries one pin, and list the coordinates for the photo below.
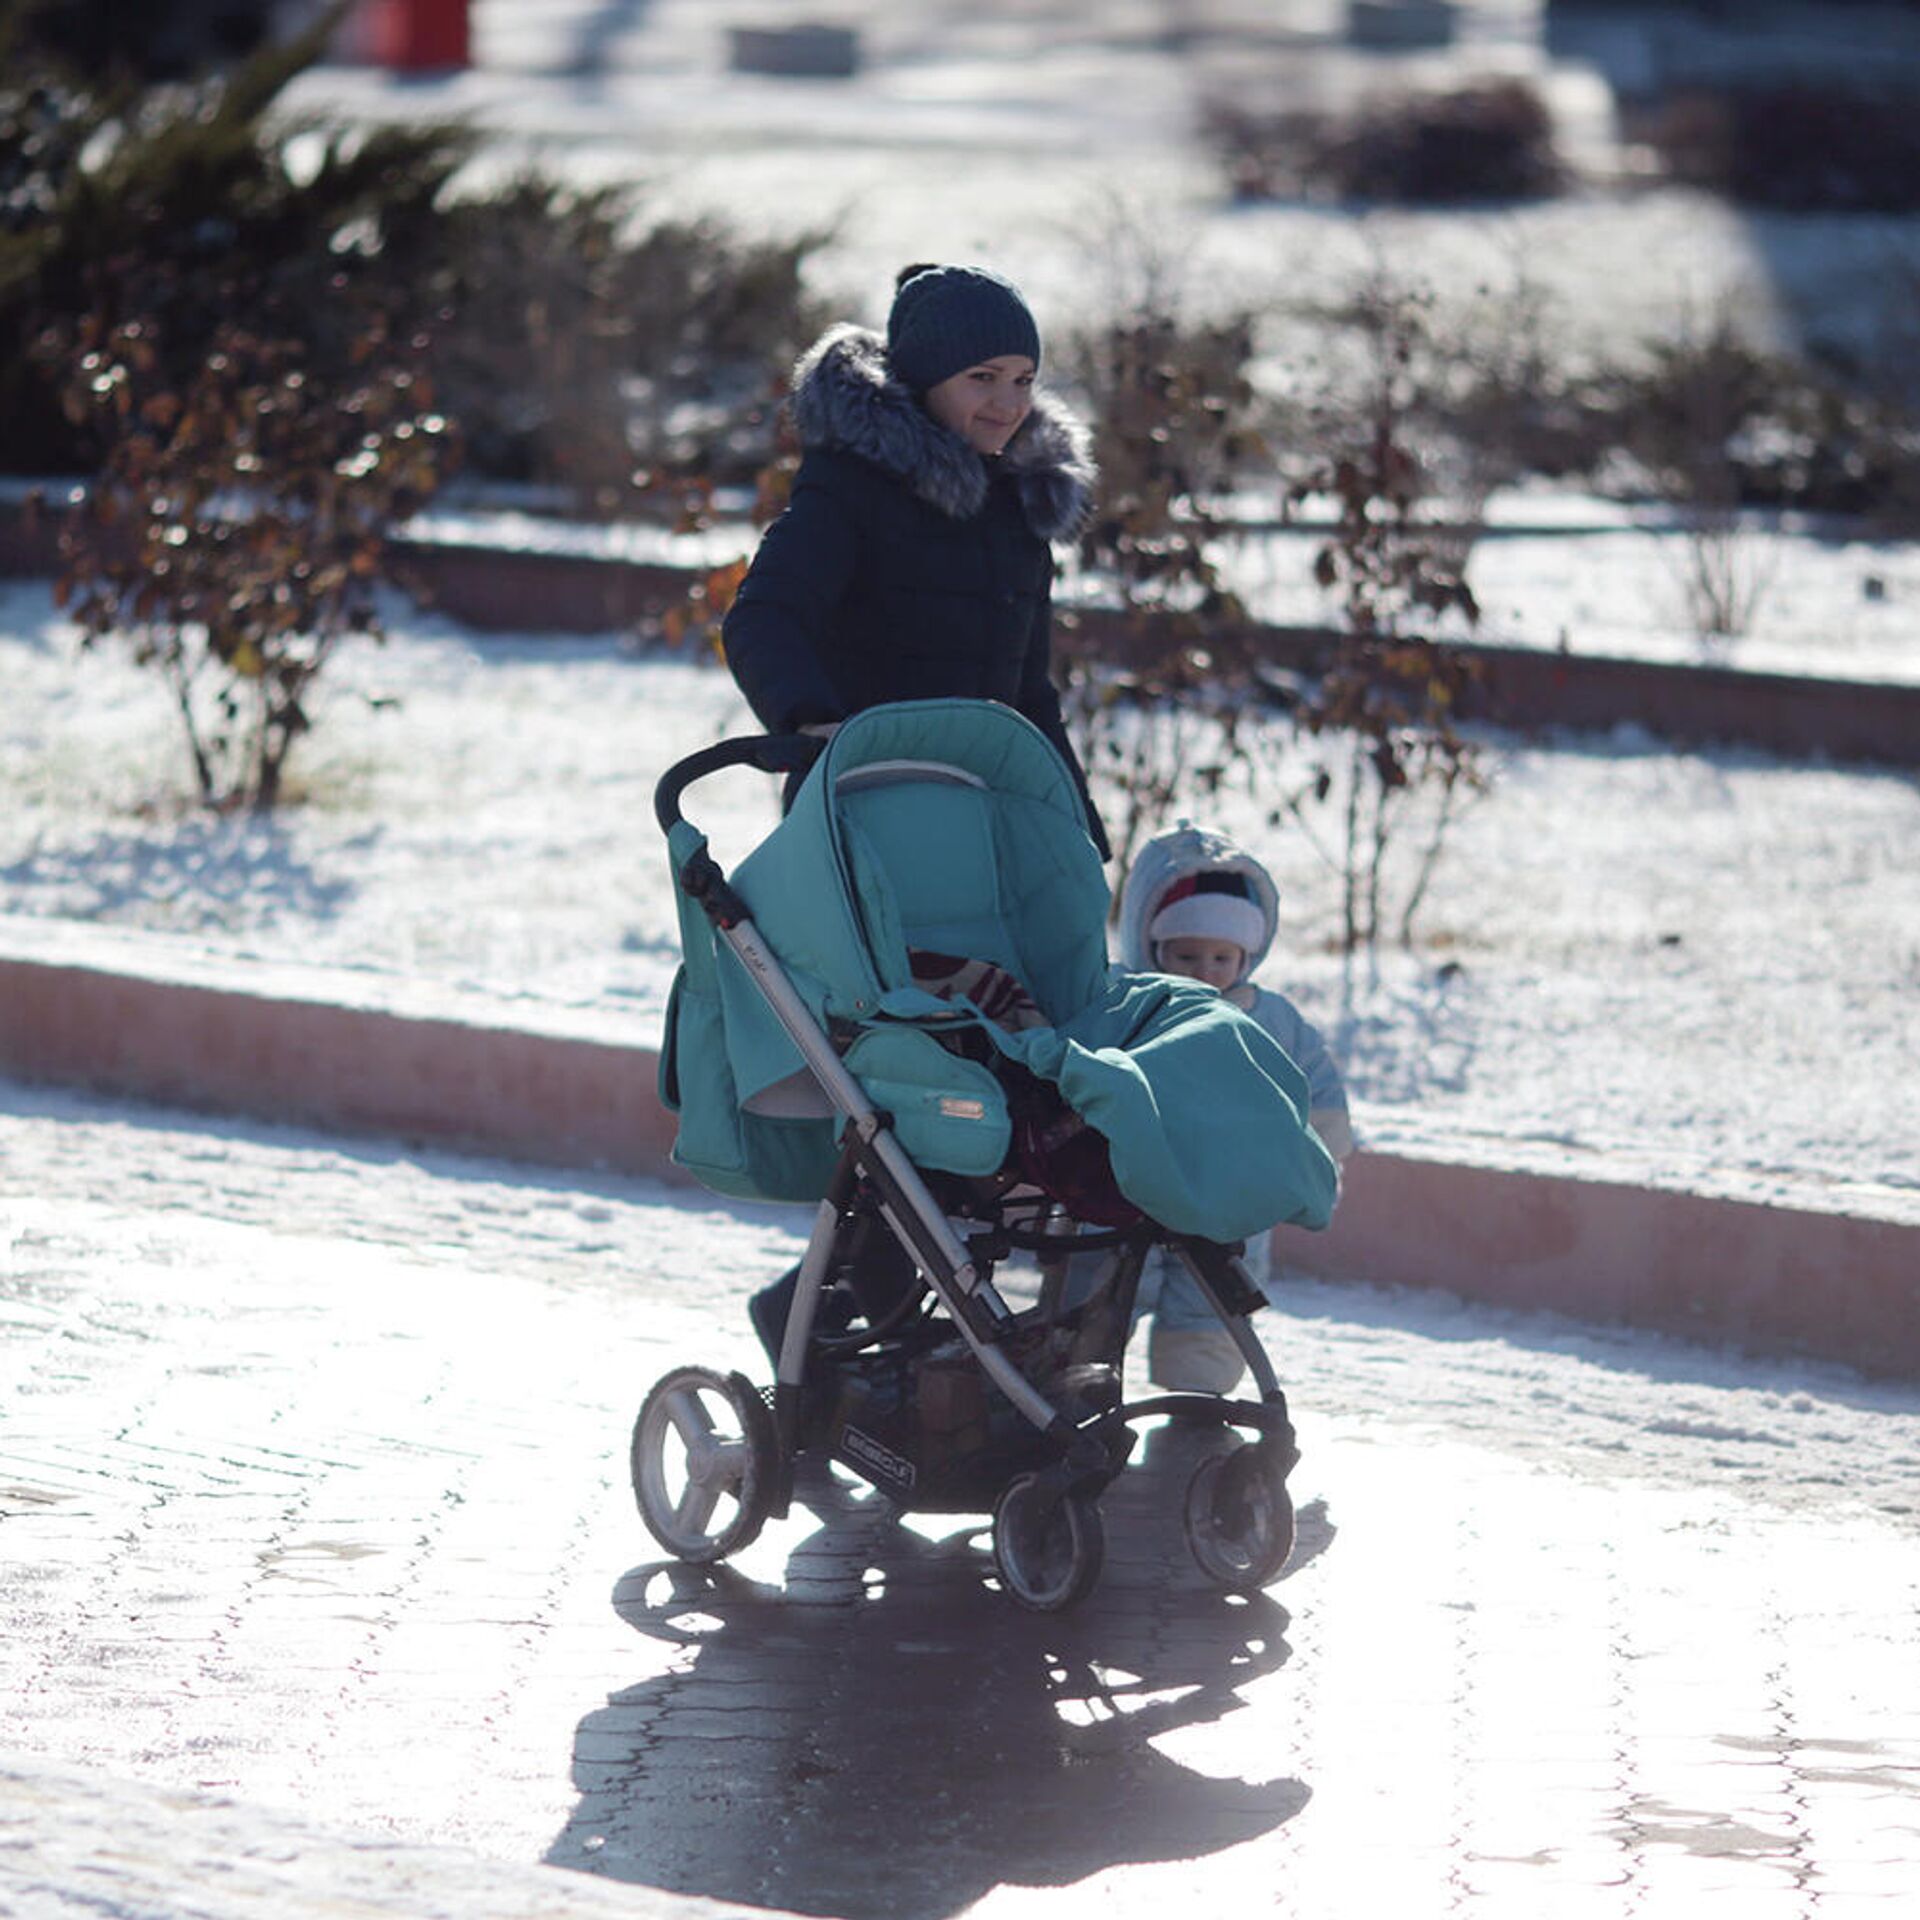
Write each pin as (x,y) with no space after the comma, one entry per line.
(1637,225)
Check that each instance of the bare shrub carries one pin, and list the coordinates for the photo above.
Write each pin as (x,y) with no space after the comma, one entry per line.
(233,536)
(1172,694)
(1386,708)
(1175,426)
(1702,406)
(1724,572)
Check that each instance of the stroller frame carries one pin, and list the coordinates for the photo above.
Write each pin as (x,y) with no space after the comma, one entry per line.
(1046,1534)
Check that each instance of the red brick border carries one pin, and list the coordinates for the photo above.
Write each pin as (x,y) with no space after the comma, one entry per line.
(559,1098)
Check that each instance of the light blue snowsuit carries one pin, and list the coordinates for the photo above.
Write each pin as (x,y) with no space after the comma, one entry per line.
(1166,1288)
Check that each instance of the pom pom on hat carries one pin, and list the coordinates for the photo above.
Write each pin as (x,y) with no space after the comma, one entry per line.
(947,319)
(1210,906)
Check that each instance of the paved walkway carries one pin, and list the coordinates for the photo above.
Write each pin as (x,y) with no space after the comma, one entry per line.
(312,1462)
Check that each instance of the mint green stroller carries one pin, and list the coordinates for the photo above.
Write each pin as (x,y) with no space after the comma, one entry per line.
(899,1009)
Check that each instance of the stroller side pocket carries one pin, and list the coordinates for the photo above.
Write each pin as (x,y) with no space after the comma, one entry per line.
(749,1156)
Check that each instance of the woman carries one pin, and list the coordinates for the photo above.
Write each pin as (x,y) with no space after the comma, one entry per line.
(913,561)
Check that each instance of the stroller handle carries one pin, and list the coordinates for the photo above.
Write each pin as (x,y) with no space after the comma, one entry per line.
(769,752)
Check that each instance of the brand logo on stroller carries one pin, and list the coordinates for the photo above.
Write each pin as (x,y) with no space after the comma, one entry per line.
(865,1452)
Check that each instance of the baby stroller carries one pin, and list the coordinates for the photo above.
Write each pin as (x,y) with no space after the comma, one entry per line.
(821,1046)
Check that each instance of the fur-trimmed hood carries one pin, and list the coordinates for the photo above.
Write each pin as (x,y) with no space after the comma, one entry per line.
(847,398)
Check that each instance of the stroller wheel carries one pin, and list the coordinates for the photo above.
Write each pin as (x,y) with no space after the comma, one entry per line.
(704,1462)
(1240,1517)
(1048,1547)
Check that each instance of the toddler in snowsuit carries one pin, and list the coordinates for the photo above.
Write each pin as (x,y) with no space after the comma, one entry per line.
(1198,904)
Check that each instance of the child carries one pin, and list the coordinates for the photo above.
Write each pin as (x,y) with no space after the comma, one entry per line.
(1197,904)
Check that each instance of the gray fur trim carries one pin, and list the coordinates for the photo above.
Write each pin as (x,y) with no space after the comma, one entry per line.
(846,397)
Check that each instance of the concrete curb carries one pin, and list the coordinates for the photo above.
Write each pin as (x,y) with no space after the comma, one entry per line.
(280,1043)
(1768,1279)
(1876,723)
(578,1089)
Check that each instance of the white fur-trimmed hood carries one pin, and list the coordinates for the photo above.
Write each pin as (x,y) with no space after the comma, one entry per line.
(846,398)
(1174,855)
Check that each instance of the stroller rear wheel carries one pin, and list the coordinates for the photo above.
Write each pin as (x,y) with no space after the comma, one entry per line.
(1240,1517)
(1047,1546)
(704,1460)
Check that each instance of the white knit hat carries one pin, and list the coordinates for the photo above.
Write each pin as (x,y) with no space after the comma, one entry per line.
(1210,906)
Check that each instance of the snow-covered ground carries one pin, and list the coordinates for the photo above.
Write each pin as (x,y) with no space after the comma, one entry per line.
(1698,968)
(318,1468)
(1689,968)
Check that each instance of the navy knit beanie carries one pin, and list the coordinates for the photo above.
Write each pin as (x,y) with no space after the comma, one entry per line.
(946,319)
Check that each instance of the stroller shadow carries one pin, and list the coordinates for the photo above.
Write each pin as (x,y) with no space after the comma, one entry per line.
(881,1737)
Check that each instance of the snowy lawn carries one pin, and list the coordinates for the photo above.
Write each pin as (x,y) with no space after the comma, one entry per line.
(1698,969)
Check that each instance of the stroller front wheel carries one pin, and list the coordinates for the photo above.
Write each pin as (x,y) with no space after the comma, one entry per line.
(1048,1547)
(704,1461)
(1239,1517)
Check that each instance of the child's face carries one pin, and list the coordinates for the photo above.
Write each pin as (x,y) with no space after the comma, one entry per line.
(1218,962)
(985,405)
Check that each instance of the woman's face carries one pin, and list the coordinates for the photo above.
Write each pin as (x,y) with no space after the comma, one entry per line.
(985,405)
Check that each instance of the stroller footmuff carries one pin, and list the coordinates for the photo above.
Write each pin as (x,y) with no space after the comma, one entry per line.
(899,1008)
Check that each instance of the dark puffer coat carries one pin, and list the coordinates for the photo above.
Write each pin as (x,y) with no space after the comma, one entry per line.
(907,566)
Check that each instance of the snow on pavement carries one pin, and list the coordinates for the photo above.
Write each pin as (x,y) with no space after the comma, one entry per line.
(1603,1404)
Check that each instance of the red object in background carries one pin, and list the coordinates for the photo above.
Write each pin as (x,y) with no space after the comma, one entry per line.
(414,36)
